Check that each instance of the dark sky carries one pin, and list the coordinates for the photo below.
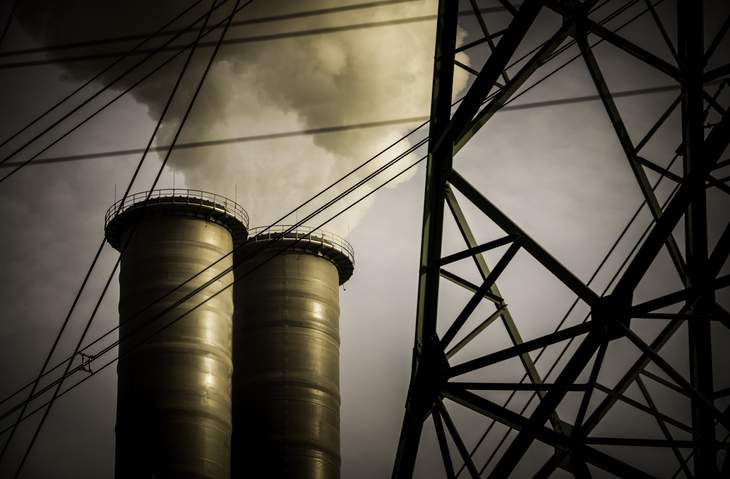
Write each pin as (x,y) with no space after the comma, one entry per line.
(557,171)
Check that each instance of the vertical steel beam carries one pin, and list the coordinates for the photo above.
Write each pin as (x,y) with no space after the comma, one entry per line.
(714,145)
(437,169)
(489,74)
(691,53)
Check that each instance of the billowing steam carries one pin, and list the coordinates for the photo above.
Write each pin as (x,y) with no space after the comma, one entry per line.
(349,77)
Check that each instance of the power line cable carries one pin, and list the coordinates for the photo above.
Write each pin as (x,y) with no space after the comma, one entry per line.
(94,261)
(409,134)
(268,37)
(112,361)
(120,56)
(237,23)
(96,256)
(64,391)
(235,41)
(239,261)
(182,123)
(290,213)
(338,128)
(97,75)
(220,275)
(147,37)
(105,88)
(100,248)
(138,50)
(469,12)
(341,179)
(96,112)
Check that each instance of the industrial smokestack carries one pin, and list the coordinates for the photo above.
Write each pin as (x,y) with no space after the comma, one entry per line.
(174,388)
(286,395)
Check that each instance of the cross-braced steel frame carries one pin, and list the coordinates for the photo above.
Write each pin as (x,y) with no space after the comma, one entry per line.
(614,315)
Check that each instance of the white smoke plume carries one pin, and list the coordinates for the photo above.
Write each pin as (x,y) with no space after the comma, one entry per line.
(355,76)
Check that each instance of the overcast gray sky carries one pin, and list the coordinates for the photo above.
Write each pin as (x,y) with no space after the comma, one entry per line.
(558,172)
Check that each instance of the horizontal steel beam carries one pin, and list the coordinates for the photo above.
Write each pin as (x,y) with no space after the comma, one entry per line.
(468,285)
(548,436)
(526,347)
(453,258)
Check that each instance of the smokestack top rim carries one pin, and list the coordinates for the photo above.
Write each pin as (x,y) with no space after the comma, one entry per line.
(308,240)
(176,202)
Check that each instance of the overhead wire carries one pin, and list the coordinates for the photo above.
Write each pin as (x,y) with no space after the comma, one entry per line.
(96,76)
(363,181)
(513,64)
(409,167)
(221,258)
(201,81)
(20,165)
(312,131)
(337,128)
(421,125)
(84,282)
(231,41)
(290,213)
(90,268)
(267,37)
(120,56)
(97,111)
(163,30)
(239,277)
(64,324)
(236,23)
(239,261)
(150,53)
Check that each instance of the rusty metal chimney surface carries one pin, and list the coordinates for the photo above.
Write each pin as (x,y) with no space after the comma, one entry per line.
(175,367)
(286,410)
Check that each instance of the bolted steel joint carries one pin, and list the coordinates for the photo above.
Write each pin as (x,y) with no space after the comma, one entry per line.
(610,313)
(430,379)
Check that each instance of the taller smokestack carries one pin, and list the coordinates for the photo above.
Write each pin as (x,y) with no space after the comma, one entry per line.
(174,387)
(286,409)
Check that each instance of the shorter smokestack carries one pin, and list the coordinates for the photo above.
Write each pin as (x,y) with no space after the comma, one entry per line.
(174,375)
(286,393)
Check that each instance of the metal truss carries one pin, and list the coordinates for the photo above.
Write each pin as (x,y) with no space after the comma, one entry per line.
(699,447)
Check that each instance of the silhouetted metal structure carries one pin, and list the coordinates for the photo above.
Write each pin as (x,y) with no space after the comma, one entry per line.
(578,448)
(286,384)
(174,375)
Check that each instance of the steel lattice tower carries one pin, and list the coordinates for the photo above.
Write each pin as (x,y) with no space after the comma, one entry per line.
(701,450)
